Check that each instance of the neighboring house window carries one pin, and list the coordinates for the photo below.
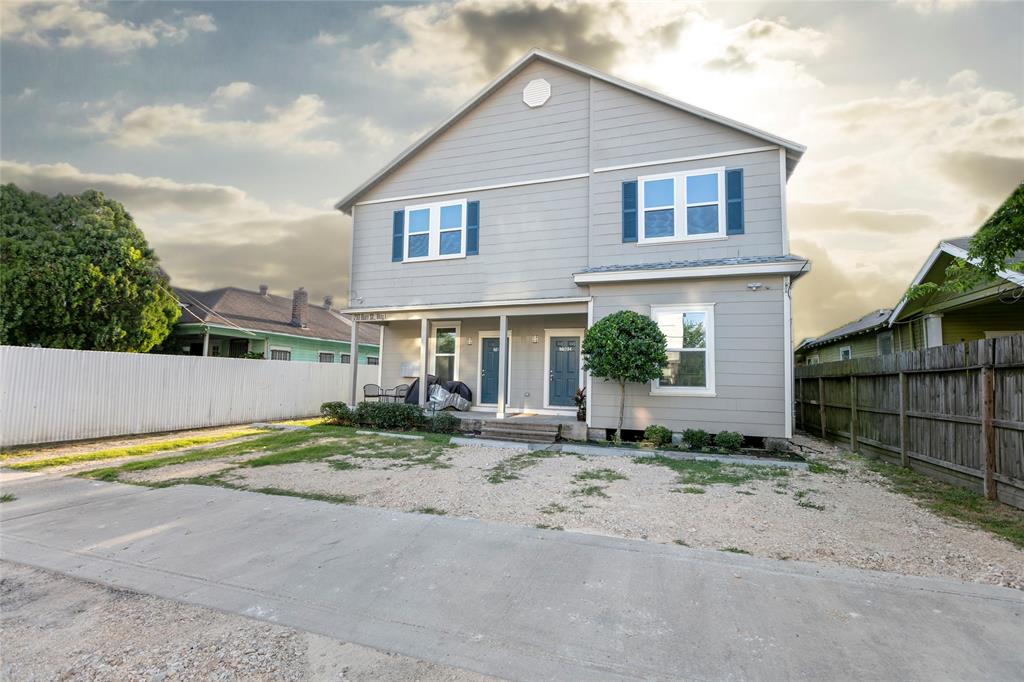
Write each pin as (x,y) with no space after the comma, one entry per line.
(682,206)
(690,334)
(346,358)
(435,231)
(845,353)
(215,350)
(370,360)
(280,354)
(237,348)
(326,357)
(445,359)
(885,343)
(813,360)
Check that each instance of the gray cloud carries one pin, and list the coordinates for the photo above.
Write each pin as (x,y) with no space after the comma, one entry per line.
(136,193)
(986,175)
(843,217)
(312,252)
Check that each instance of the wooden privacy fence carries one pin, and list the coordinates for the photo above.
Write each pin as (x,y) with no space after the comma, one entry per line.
(48,394)
(955,413)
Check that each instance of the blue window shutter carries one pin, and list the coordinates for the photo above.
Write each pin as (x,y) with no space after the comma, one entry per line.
(734,201)
(472,228)
(629,231)
(398,236)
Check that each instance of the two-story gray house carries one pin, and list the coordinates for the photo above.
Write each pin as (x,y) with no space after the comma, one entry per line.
(559,195)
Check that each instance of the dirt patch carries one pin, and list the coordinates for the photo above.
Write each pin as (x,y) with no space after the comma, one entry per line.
(60,628)
(840,513)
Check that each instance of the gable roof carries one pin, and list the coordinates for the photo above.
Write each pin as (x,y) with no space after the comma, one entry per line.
(253,311)
(876,319)
(793,150)
(957,248)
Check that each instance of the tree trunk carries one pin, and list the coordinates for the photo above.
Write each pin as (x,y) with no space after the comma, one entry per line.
(622,408)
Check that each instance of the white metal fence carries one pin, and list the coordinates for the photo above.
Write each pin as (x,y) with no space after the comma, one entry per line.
(49,395)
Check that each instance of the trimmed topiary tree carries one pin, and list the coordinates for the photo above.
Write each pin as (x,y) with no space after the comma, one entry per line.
(625,347)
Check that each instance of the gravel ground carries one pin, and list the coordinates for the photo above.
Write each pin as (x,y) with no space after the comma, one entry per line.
(59,628)
(849,518)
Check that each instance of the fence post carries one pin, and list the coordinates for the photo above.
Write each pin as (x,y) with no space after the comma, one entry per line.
(821,405)
(986,384)
(904,404)
(853,413)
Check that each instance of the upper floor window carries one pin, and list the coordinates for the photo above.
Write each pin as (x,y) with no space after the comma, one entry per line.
(690,334)
(435,231)
(682,206)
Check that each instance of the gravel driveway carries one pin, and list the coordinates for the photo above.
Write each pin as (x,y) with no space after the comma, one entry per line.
(846,516)
(60,628)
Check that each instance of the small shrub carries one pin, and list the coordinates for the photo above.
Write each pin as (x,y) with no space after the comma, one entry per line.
(444,422)
(389,416)
(658,436)
(697,438)
(729,440)
(337,413)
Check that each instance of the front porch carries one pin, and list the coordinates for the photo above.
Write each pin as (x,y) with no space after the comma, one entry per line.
(541,344)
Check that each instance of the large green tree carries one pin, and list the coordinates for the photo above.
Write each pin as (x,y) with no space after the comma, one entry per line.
(625,347)
(992,248)
(77,273)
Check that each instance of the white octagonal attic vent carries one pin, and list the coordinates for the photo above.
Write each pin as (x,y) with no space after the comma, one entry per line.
(536,93)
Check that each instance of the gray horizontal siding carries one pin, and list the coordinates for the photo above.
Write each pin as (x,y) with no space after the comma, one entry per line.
(749,359)
(762,212)
(531,241)
(503,140)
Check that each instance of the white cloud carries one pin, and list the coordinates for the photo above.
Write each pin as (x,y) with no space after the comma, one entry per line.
(287,128)
(324,38)
(76,25)
(931,6)
(232,92)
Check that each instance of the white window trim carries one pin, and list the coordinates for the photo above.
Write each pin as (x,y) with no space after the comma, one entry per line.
(845,348)
(548,334)
(679,207)
(480,364)
(814,359)
(878,343)
(432,343)
(709,342)
(330,352)
(284,348)
(434,231)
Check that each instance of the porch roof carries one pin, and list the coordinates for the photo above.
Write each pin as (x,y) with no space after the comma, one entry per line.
(705,267)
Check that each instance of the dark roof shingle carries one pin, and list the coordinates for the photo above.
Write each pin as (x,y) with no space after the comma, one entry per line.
(872,320)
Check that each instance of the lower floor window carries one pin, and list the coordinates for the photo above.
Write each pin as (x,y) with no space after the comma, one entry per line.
(326,357)
(280,354)
(444,352)
(689,335)
(845,353)
(372,360)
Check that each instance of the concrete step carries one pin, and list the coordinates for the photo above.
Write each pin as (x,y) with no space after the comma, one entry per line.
(521,433)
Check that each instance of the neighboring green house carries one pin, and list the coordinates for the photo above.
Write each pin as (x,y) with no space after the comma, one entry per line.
(995,308)
(232,322)
(866,337)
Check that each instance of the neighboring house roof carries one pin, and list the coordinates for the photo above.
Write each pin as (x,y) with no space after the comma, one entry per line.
(253,311)
(876,319)
(794,150)
(957,247)
(707,267)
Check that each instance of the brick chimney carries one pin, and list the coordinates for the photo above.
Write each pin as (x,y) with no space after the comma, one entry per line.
(300,307)
(264,290)
(328,301)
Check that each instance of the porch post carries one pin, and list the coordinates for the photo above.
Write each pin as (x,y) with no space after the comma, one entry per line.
(206,342)
(353,358)
(502,364)
(424,338)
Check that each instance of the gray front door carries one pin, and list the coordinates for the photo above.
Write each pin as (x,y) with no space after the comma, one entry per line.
(564,375)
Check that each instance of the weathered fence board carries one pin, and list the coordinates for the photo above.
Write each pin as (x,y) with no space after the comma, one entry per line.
(953,412)
(49,395)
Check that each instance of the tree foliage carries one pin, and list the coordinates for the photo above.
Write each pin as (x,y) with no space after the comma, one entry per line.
(77,273)
(990,250)
(625,347)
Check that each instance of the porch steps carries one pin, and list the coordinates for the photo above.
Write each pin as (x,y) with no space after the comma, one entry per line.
(523,432)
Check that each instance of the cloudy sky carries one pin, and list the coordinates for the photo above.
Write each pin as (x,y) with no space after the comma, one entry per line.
(229,129)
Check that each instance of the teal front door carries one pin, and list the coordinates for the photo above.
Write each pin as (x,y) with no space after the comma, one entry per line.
(564,370)
(489,372)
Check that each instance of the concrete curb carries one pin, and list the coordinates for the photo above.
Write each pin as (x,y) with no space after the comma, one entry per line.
(388,434)
(601,451)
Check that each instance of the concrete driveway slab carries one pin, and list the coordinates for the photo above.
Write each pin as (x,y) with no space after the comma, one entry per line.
(510,601)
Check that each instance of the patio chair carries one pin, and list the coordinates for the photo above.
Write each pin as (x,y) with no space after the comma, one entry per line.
(372,391)
(400,392)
